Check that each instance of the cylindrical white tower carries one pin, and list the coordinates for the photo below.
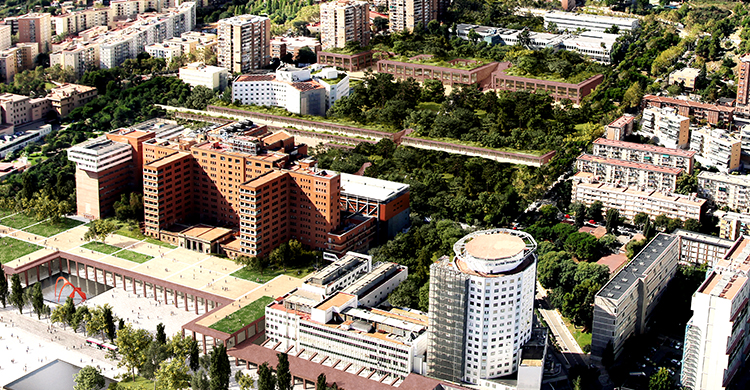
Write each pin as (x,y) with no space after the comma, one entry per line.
(491,281)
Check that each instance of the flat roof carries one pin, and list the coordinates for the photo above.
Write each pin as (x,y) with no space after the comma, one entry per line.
(336,300)
(677,198)
(205,232)
(495,246)
(704,238)
(629,164)
(622,121)
(265,178)
(371,188)
(645,147)
(740,180)
(638,268)
(680,102)
(166,160)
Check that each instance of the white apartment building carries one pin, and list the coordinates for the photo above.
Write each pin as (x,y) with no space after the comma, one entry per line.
(294,89)
(624,305)
(644,153)
(716,342)
(332,315)
(669,128)
(82,57)
(99,154)
(573,21)
(481,307)
(335,82)
(72,23)
(164,50)
(131,8)
(700,248)
(631,201)
(244,43)
(724,190)
(407,14)
(628,173)
(716,148)
(745,138)
(5,41)
(211,77)
(343,21)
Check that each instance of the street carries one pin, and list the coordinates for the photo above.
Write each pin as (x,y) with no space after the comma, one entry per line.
(569,348)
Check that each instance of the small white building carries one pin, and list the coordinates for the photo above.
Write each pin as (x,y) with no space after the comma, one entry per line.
(164,50)
(667,126)
(211,77)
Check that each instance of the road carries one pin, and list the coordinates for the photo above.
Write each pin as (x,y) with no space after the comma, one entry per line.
(569,348)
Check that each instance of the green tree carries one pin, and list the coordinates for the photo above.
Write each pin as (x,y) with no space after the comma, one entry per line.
(3,287)
(692,225)
(661,380)
(321,382)
(193,355)
(640,219)
(17,298)
(80,316)
(613,221)
(595,211)
(687,184)
(583,246)
(661,222)
(283,376)
(220,370)
(246,382)
(156,355)
(100,229)
(199,98)
(634,247)
(37,300)
(88,378)
(266,379)
(132,344)
(199,381)
(109,322)
(173,375)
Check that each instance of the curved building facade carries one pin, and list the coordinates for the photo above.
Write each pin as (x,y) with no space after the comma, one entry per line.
(482,306)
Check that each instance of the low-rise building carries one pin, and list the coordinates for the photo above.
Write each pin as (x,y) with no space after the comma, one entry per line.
(685,76)
(631,201)
(716,342)
(164,50)
(211,77)
(574,21)
(667,126)
(625,304)
(716,148)
(711,113)
(628,173)
(620,128)
(280,46)
(348,62)
(19,109)
(10,140)
(67,97)
(697,248)
(725,190)
(644,153)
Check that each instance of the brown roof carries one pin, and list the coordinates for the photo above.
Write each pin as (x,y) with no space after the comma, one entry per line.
(258,77)
(613,262)
(688,103)
(629,164)
(622,121)
(645,147)
(336,300)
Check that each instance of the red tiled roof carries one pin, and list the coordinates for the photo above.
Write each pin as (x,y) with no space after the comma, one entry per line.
(645,147)
(622,121)
(613,262)
(680,102)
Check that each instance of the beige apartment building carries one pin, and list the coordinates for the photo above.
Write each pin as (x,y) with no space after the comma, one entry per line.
(685,76)
(72,23)
(724,190)
(244,43)
(67,97)
(36,28)
(123,9)
(628,173)
(620,128)
(644,153)
(670,128)
(79,59)
(407,14)
(344,21)
(18,109)
(631,200)
(5,41)
(700,248)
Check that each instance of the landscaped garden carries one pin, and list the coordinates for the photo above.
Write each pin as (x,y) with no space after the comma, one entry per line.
(11,249)
(19,221)
(256,276)
(49,228)
(117,252)
(243,316)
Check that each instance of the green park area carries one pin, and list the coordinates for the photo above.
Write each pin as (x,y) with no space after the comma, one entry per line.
(49,228)
(117,252)
(134,232)
(582,338)
(11,249)
(19,221)
(133,256)
(101,247)
(459,63)
(243,316)
(264,276)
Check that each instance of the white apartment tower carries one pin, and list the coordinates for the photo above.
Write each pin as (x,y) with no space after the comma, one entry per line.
(244,43)
(716,342)
(481,307)
(344,21)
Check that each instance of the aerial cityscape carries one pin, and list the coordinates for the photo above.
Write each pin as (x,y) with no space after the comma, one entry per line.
(384,194)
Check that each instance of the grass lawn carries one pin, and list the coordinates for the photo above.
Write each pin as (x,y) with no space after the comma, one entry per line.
(19,221)
(127,231)
(138,384)
(583,339)
(160,243)
(133,256)
(4,213)
(101,247)
(243,316)
(255,276)
(11,249)
(432,106)
(49,229)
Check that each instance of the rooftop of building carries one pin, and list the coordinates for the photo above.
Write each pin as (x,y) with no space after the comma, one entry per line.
(100,146)
(295,41)
(704,238)
(499,251)
(336,300)
(629,164)
(638,268)
(371,188)
(205,232)
(338,268)
(65,90)
(381,273)
(612,20)
(737,257)
(243,19)
(467,64)
(167,160)
(687,72)
(623,121)
(722,285)
(613,261)
(681,102)
(635,192)
(740,180)
(495,246)
(264,178)
(201,67)
(645,147)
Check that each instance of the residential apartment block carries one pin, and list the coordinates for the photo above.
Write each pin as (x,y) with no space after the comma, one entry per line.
(67,97)
(631,201)
(574,21)
(685,76)
(334,313)
(716,148)
(17,59)
(620,128)
(125,9)
(244,43)
(19,109)
(405,15)
(625,304)
(164,50)
(343,21)
(36,28)
(280,46)
(697,248)
(72,23)
(644,153)
(716,342)
(79,59)
(211,77)
(711,113)
(297,90)
(5,40)
(743,84)
(481,305)
(628,173)
(730,191)
(667,126)
(732,225)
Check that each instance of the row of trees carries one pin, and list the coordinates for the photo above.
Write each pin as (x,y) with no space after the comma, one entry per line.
(97,320)
(19,297)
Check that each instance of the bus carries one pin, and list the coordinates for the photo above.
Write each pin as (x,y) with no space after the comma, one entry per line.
(101,344)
